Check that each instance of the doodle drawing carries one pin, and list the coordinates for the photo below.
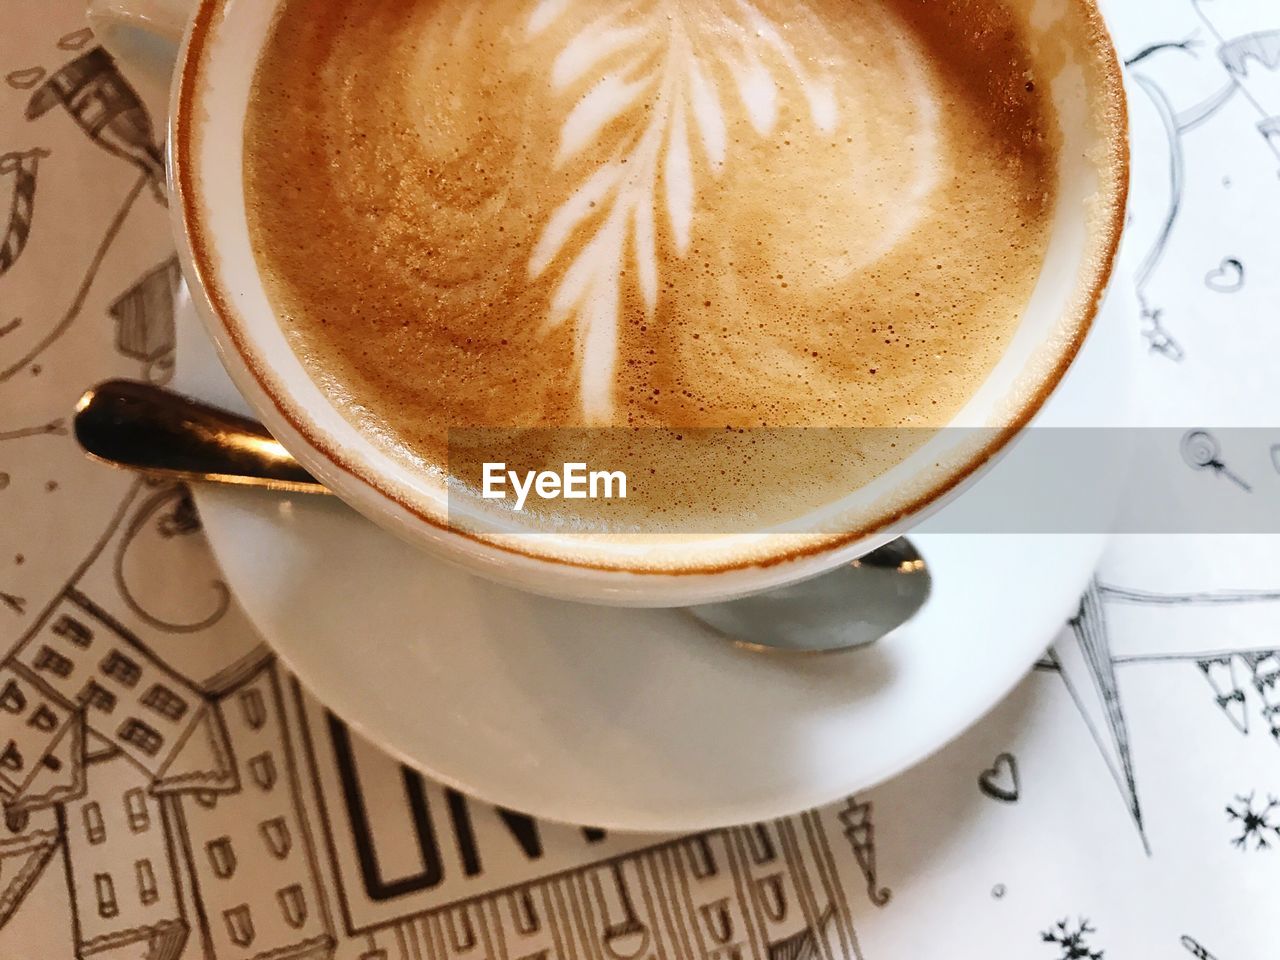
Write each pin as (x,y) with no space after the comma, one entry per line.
(81,656)
(56,427)
(124,889)
(861,834)
(144,319)
(1259,824)
(76,39)
(1000,781)
(1193,947)
(86,283)
(1227,277)
(26,844)
(1072,940)
(1223,677)
(1088,669)
(24,166)
(1263,48)
(1201,451)
(25,78)
(1236,57)
(256,838)
(107,108)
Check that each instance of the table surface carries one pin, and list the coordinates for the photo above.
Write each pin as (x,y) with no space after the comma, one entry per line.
(197,803)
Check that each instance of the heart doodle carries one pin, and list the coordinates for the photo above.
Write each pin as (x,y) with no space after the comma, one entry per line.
(1227,278)
(1000,780)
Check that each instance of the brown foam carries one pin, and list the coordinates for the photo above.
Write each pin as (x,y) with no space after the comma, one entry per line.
(398,187)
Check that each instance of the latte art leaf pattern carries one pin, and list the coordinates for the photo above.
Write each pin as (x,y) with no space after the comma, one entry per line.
(668,82)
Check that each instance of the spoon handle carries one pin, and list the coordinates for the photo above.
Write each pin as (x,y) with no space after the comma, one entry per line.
(159,432)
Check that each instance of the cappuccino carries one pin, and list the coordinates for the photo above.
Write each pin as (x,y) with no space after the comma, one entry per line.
(668,213)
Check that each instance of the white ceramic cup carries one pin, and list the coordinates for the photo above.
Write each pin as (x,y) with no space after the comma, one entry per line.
(211,47)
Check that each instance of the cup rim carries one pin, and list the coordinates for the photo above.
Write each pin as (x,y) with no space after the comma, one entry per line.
(323,454)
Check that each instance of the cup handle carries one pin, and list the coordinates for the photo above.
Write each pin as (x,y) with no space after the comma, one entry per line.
(142,34)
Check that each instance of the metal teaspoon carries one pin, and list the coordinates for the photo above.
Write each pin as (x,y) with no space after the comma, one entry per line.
(159,432)
(162,433)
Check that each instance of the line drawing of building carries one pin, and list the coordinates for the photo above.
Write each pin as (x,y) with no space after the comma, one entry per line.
(251,853)
(80,657)
(702,896)
(719,928)
(32,726)
(120,866)
(773,891)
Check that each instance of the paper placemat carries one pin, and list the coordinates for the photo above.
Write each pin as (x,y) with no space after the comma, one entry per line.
(169,791)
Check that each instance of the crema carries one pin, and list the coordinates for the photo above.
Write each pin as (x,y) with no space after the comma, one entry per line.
(664,213)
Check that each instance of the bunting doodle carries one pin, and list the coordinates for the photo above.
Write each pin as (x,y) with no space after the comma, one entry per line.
(23,166)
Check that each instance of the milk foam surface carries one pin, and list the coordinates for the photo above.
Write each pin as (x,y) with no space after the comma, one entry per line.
(675,212)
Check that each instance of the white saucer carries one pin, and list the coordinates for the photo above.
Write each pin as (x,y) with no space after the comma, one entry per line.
(639,719)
